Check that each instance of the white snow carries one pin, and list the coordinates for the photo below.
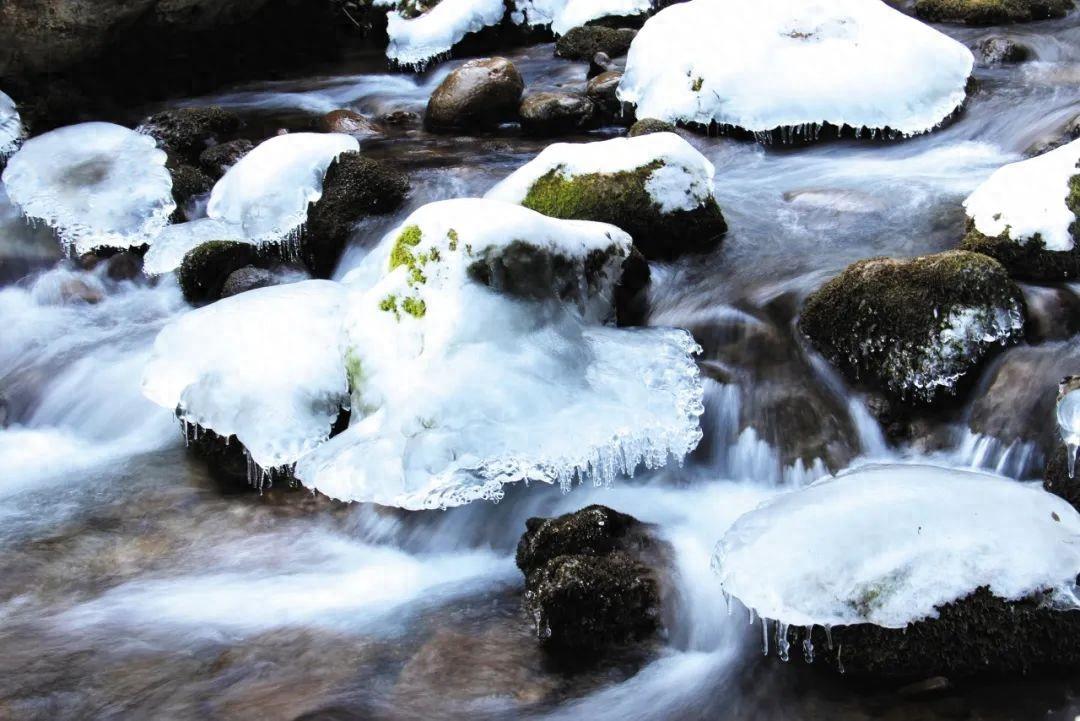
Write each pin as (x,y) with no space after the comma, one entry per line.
(1027,198)
(562,15)
(795,64)
(486,389)
(11,127)
(268,191)
(168,249)
(414,42)
(683,183)
(888,544)
(263,366)
(96,184)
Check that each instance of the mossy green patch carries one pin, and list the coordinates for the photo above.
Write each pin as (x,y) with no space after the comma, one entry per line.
(415,307)
(990,12)
(401,253)
(354,370)
(452,235)
(389,304)
(697,84)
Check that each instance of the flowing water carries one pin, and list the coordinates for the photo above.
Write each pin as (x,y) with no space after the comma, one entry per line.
(132,587)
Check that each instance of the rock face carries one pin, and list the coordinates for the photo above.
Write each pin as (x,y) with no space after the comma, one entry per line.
(583,42)
(990,12)
(557,114)
(589,581)
(479,95)
(354,186)
(187,132)
(914,328)
(206,268)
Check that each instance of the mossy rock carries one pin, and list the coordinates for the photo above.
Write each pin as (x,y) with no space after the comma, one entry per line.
(582,43)
(991,12)
(188,182)
(889,323)
(980,634)
(647,126)
(354,187)
(187,132)
(623,200)
(205,269)
(216,160)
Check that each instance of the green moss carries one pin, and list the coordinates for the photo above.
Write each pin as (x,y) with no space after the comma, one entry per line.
(415,307)
(646,126)
(401,253)
(622,199)
(354,370)
(389,304)
(697,84)
(990,12)
(453,236)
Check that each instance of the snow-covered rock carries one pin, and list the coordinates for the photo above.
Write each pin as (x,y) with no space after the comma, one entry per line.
(416,41)
(263,366)
(562,15)
(926,536)
(1026,215)
(477,357)
(656,187)
(791,65)
(96,184)
(170,246)
(11,127)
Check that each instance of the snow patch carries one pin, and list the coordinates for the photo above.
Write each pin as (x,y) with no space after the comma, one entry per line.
(927,536)
(1027,198)
(96,184)
(563,15)
(684,182)
(414,42)
(795,64)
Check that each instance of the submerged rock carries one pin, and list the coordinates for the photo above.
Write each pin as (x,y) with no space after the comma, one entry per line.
(600,63)
(187,132)
(349,122)
(123,266)
(216,160)
(354,187)
(479,95)
(557,113)
(914,328)
(591,581)
(658,188)
(585,41)
(206,268)
(991,12)
(1027,215)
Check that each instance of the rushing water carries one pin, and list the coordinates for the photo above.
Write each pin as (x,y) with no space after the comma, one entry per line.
(131,587)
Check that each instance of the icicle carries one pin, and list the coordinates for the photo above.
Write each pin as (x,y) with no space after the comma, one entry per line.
(751,616)
(765,635)
(782,644)
(839,663)
(808,647)
(1071,448)
(828,636)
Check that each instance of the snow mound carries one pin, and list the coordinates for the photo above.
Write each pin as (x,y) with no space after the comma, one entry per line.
(414,42)
(476,358)
(263,366)
(888,544)
(96,184)
(268,191)
(684,182)
(562,15)
(168,249)
(11,127)
(1028,198)
(783,64)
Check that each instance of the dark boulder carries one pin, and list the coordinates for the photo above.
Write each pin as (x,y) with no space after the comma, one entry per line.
(124,266)
(247,278)
(354,187)
(479,95)
(188,183)
(990,12)
(582,43)
(205,269)
(186,132)
(216,160)
(556,113)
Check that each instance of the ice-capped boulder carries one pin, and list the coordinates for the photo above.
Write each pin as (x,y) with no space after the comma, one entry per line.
(991,12)
(914,328)
(96,184)
(477,356)
(787,68)
(656,187)
(1027,215)
(175,241)
(417,40)
(263,366)
(11,127)
(953,572)
(563,15)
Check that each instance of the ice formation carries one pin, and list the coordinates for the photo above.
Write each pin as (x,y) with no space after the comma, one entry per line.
(683,182)
(477,357)
(414,42)
(1028,198)
(96,184)
(562,15)
(793,64)
(926,536)
(11,127)
(170,246)
(268,191)
(262,366)
(1068,419)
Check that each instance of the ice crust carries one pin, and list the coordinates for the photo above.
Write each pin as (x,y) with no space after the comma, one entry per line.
(888,544)
(789,64)
(683,183)
(96,184)
(416,41)
(1027,198)
(168,249)
(262,366)
(562,15)
(11,127)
